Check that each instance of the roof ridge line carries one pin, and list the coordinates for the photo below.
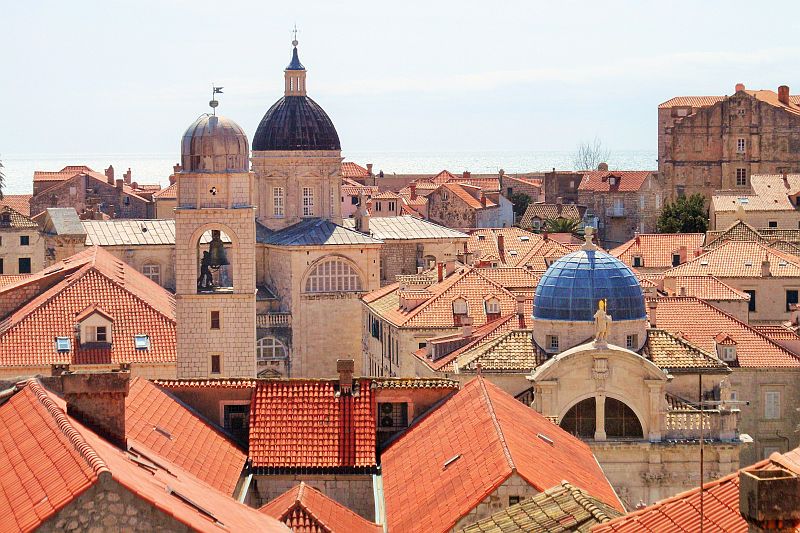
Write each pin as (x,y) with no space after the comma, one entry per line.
(124,286)
(83,448)
(496,423)
(582,499)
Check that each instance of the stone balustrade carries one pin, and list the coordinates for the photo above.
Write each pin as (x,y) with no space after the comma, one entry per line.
(714,424)
(274,320)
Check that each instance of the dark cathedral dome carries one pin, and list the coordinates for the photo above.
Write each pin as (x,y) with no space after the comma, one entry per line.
(296,122)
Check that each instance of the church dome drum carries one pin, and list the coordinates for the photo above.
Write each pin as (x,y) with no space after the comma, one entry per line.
(215,144)
(573,284)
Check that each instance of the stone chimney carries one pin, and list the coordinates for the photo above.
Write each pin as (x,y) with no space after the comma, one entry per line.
(651,312)
(466,326)
(603,167)
(449,267)
(177,168)
(119,184)
(97,400)
(769,500)
(467,174)
(369,169)
(483,199)
(413,188)
(172,179)
(110,175)
(440,272)
(127,176)
(501,246)
(682,291)
(345,368)
(638,239)
(765,268)
(783,94)
(739,87)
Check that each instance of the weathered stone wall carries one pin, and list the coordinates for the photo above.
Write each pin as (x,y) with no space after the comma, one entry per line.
(11,251)
(353,491)
(107,506)
(497,500)
(562,185)
(165,208)
(721,220)
(84,192)
(399,257)
(452,212)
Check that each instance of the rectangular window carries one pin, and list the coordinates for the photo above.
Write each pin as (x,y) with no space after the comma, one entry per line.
(791,299)
(277,201)
(101,334)
(308,202)
(354,200)
(24,240)
(63,344)
(772,405)
(740,145)
(391,205)
(216,364)
(552,342)
(141,342)
(513,500)
(1,265)
(772,224)
(631,342)
(152,272)
(641,202)
(637,261)
(751,305)
(680,191)
(676,259)
(658,201)
(236,420)
(393,415)
(214,319)
(741,177)
(24,264)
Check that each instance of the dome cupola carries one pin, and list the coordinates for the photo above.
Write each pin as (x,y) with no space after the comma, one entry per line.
(295,122)
(214,144)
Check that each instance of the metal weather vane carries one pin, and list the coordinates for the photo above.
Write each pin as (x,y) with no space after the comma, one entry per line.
(214,103)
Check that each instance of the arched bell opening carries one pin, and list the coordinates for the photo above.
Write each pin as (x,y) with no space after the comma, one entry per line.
(214,262)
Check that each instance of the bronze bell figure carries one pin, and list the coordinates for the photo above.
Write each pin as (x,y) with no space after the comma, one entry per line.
(216,251)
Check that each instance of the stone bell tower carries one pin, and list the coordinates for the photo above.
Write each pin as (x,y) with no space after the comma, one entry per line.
(215,252)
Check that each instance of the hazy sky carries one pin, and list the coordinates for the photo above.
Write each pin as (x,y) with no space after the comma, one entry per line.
(128,77)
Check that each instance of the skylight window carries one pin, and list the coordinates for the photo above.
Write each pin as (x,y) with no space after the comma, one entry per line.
(744,201)
(63,344)
(451,460)
(141,342)
(524,238)
(704,263)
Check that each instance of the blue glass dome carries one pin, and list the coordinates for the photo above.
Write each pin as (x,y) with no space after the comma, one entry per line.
(572,286)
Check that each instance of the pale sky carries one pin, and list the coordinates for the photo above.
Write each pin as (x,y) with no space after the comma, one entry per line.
(101,77)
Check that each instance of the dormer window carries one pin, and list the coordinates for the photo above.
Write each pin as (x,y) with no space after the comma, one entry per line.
(492,306)
(459,306)
(94,325)
(97,333)
(726,347)
(612,180)
(637,261)
(728,353)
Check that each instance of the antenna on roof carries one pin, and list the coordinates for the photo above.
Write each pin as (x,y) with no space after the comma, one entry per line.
(214,103)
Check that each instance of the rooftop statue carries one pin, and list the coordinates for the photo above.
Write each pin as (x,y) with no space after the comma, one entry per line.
(602,324)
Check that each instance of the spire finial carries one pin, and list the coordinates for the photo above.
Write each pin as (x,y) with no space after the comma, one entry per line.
(294,36)
(214,103)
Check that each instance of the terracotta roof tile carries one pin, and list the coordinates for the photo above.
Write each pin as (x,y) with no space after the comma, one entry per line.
(18,202)
(306,510)
(770,192)
(167,193)
(353,170)
(558,509)
(739,259)
(706,101)
(675,354)
(519,246)
(544,211)
(485,435)
(514,351)
(700,322)
(707,288)
(61,175)
(656,249)
(15,219)
(138,305)
(305,424)
(626,180)
(463,193)
(9,279)
(414,383)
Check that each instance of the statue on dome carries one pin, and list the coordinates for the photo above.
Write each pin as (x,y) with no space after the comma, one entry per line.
(602,324)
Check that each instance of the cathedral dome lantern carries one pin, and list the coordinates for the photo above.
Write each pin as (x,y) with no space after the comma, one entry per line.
(214,143)
(295,122)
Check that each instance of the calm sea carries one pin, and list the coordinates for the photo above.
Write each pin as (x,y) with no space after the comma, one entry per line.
(156,168)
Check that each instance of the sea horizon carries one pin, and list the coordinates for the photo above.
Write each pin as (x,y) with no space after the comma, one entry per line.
(156,167)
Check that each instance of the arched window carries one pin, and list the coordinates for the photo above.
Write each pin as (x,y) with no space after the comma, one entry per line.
(620,420)
(333,275)
(270,349)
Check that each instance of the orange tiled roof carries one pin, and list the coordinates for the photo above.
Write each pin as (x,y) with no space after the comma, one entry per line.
(16,219)
(656,249)
(306,510)
(167,193)
(483,244)
(443,177)
(707,288)
(61,175)
(304,424)
(705,101)
(21,203)
(458,454)
(777,332)
(626,180)
(138,306)
(49,459)
(461,191)
(700,323)
(544,211)
(739,259)
(386,195)
(353,170)
(9,279)
(511,277)
(190,442)
(681,513)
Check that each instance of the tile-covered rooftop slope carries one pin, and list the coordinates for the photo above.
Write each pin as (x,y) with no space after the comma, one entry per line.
(674,354)
(20,203)
(11,218)
(494,436)
(559,509)
(656,249)
(306,510)
(306,424)
(48,459)
(707,287)
(739,259)
(520,248)
(681,513)
(625,180)
(742,231)
(700,323)
(54,298)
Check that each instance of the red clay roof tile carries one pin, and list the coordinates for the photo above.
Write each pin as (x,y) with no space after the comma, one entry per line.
(656,249)
(626,180)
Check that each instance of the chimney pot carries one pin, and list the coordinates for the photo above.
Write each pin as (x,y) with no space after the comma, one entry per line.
(783,94)
(483,199)
(177,168)
(345,368)
(110,175)
(127,176)
(97,400)
(739,87)
(520,305)
(765,268)
(651,312)
(413,188)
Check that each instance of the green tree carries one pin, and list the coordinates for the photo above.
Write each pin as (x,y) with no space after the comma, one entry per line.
(561,225)
(520,201)
(684,215)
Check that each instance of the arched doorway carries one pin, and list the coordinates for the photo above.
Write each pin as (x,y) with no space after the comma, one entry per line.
(620,420)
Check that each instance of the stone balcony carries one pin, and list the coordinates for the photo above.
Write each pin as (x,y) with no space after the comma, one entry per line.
(274,320)
(712,424)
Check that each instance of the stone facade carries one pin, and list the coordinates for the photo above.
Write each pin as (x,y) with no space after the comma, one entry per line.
(453,210)
(403,257)
(86,192)
(22,250)
(354,491)
(108,506)
(498,500)
(705,146)
(561,187)
(160,257)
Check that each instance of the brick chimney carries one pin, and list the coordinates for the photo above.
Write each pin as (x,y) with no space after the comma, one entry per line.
(97,400)
(765,268)
(769,500)
(467,174)
(783,94)
(483,199)
(119,184)
(345,368)
(466,326)
(449,267)
(739,87)
(682,253)
(638,239)
(651,312)
(440,271)
(110,175)
(413,188)
(127,176)
(369,169)
(501,246)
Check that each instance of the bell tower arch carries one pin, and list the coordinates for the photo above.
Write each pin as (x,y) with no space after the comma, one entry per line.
(215,252)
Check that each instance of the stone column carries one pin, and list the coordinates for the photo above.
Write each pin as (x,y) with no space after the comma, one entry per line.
(600,417)
(656,415)
(544,399)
